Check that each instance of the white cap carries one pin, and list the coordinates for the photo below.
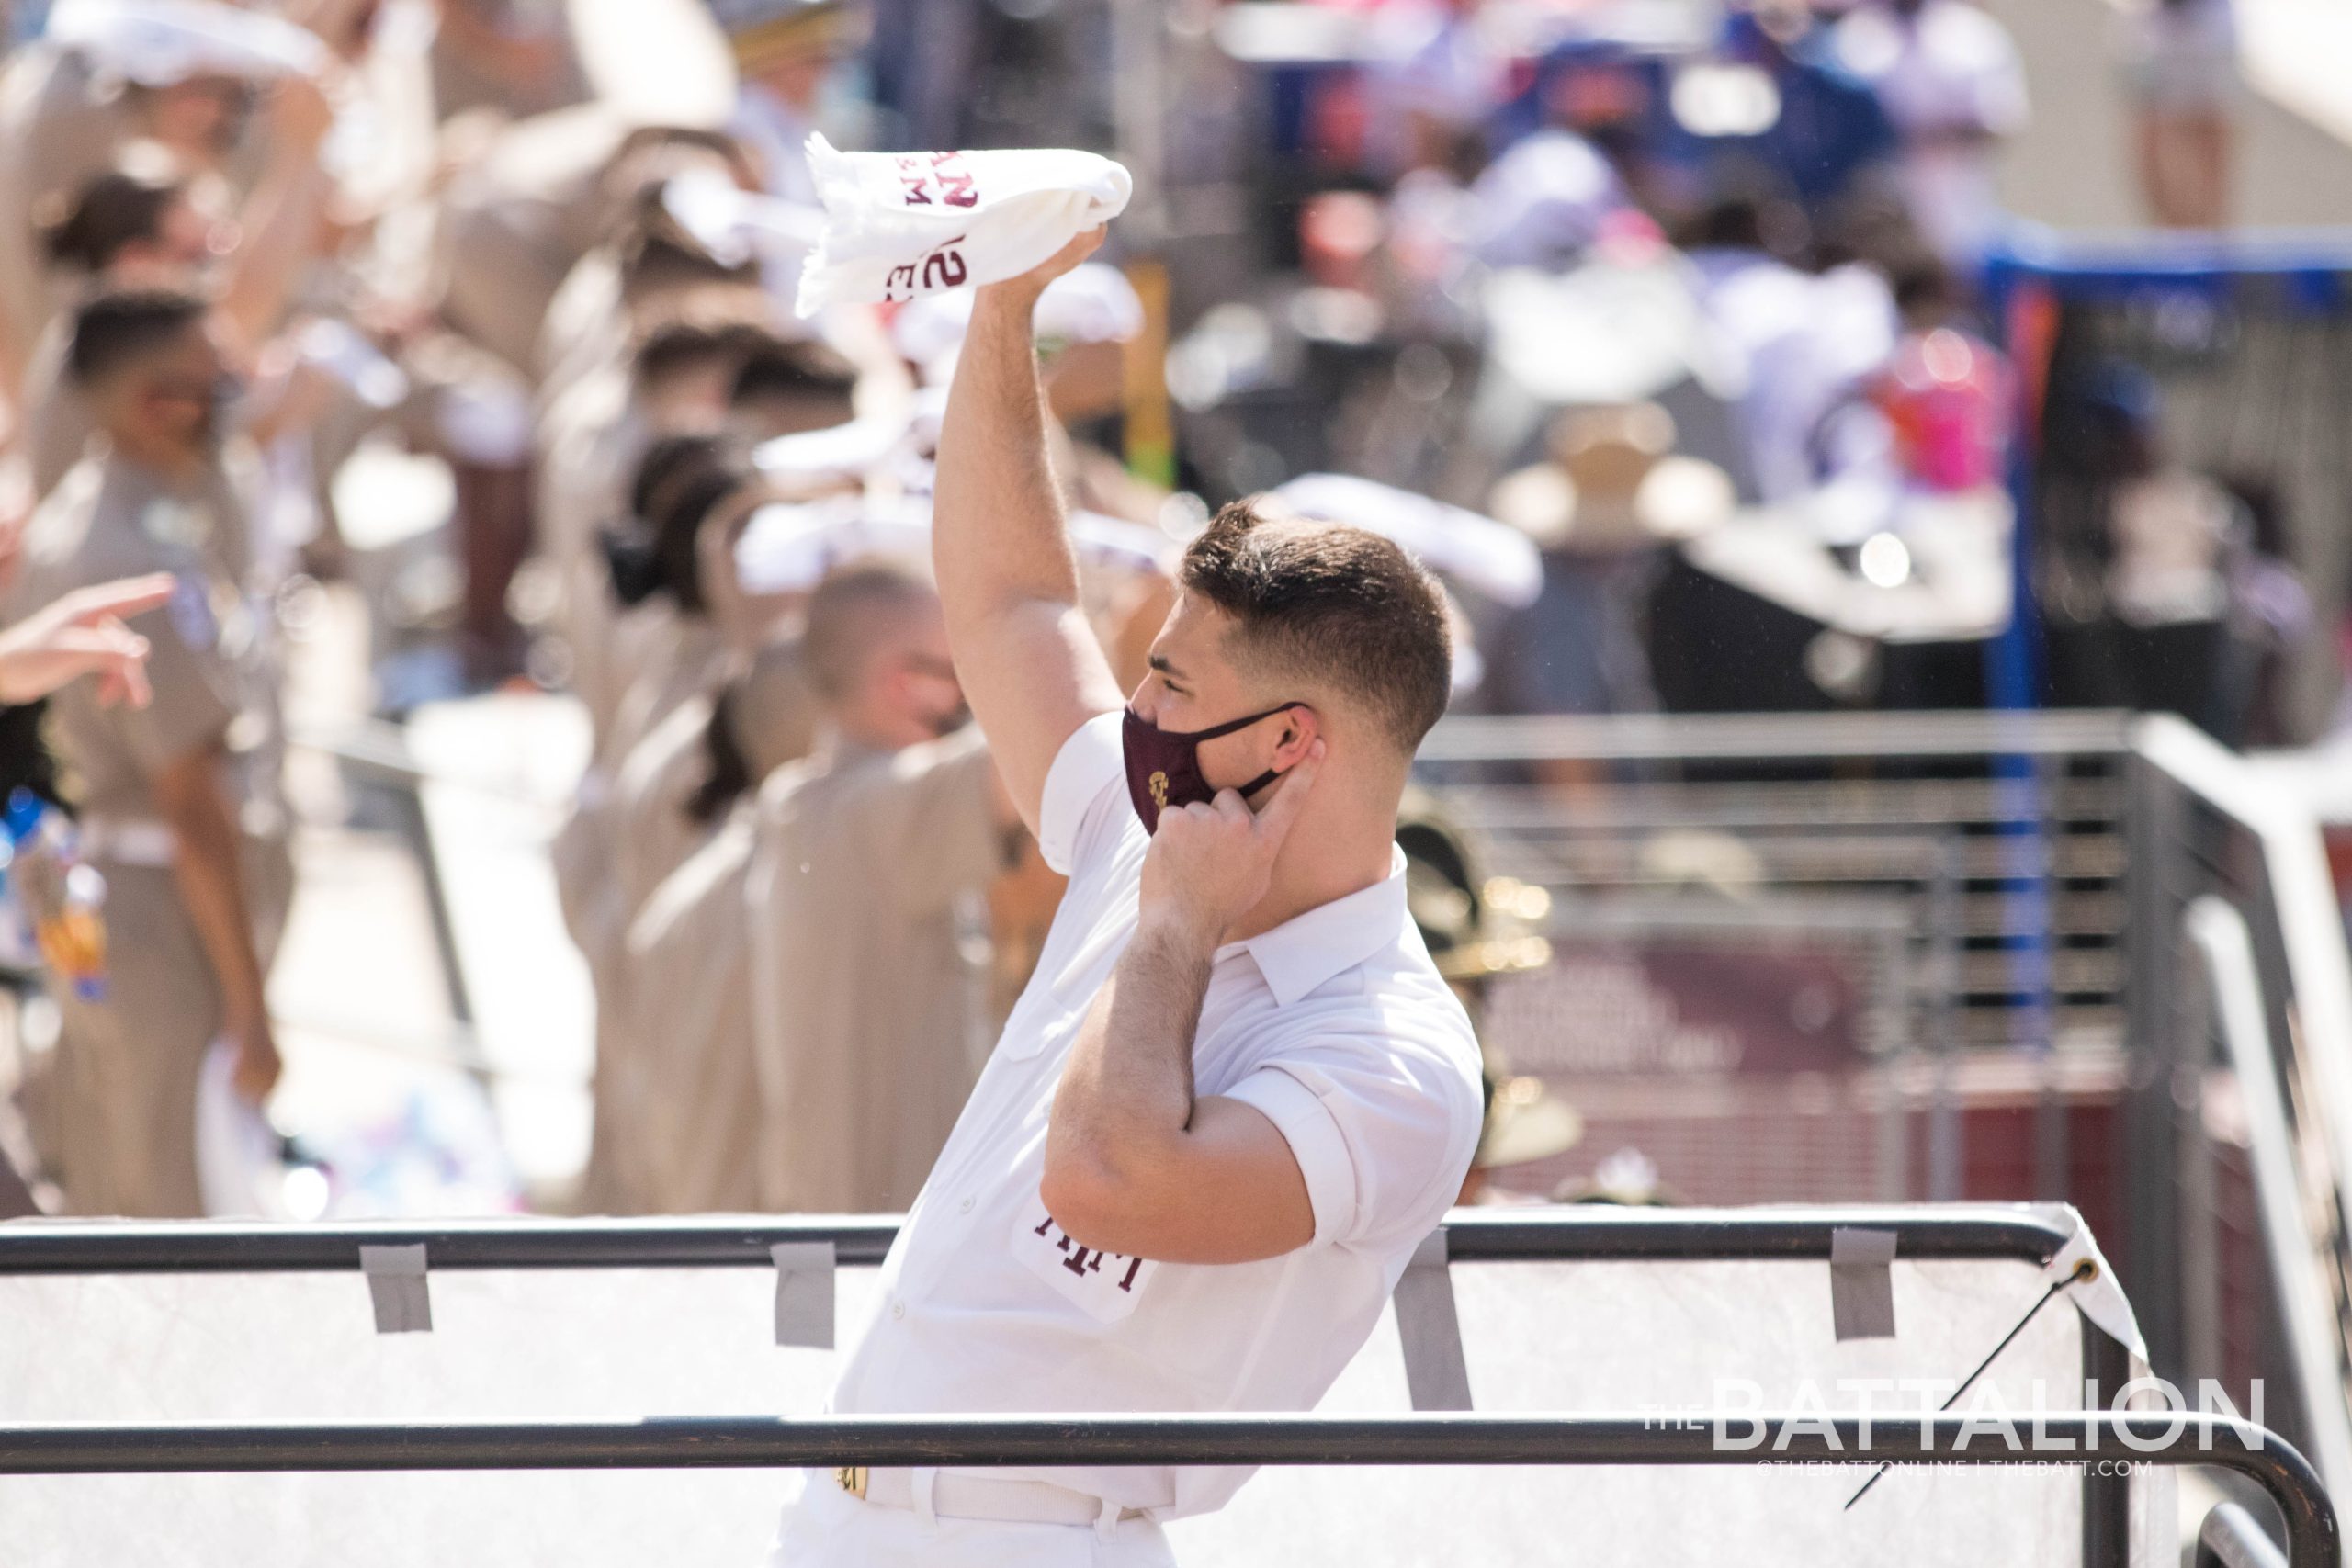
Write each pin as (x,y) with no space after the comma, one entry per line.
(656,62)
(788,550)
(1091,303)
(839,454)
(1114,541)
(1478,552)
(733,224)
(160,43)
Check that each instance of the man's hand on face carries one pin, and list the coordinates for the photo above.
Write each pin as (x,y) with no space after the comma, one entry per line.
(1209,865)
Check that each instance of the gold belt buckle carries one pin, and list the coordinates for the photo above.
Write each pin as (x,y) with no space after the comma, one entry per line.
(851,1478)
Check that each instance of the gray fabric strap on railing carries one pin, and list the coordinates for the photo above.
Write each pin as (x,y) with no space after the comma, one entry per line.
(1862,1283)
(804,1294)
(396,1283)
(1435,1370)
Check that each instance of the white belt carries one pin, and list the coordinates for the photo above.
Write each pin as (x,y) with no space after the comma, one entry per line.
(960,1496)
(129,840)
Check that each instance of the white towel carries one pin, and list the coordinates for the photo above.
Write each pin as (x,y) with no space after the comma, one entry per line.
(898,225)
(157,43)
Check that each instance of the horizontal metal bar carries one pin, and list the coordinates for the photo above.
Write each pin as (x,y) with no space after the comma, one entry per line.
(1774,737)
(1980,1231)
(1808,806)
(1698,1438)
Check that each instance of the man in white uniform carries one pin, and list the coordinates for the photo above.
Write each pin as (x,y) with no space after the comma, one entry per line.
(1235,1094)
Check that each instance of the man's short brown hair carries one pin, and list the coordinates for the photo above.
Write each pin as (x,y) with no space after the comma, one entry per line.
(1340,608)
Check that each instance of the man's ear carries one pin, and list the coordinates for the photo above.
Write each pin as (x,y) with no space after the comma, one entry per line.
(1299,729)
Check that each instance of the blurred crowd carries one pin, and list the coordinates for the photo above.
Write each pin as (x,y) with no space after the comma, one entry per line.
(1660,330)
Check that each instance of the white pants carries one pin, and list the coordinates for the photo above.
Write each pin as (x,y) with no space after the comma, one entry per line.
(829,1529)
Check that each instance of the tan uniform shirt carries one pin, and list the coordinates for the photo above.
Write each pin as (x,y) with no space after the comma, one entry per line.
(58,423)
(589,446)
(125,1101)
(57,133)
(868,967)
(692,1090)
(515,223)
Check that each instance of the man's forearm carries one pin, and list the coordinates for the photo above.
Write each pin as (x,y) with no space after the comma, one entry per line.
(210,875)
(999,535)
(282,222)
(1126,1099)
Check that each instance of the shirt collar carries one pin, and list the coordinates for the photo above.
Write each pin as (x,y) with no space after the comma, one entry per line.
(1307,951)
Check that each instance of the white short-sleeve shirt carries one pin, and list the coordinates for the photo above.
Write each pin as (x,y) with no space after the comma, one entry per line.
(1334,1024)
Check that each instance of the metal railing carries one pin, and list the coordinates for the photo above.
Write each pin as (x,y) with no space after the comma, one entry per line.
(1987,1232)
(1581,1234)
(2046,863)
(2313,1537)
(2218,941)
(2230,1539)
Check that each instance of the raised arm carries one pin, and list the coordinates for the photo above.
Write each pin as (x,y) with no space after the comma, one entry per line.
(1027,659)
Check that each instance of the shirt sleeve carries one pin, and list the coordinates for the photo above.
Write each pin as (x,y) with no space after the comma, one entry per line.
(1383,1131)
(1084,790)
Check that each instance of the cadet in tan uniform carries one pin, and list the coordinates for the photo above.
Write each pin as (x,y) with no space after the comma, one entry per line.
(591,442)
(147,219)
(688,487)
(692,1099)
(180,799)
(864,896)
(65,113)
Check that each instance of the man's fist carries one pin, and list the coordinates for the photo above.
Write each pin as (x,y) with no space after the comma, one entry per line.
(1032,283)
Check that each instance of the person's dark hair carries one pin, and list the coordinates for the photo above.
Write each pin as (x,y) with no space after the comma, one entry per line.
(729,776)
(679,481)
(656,254)
(794,371)
(1339,609)
(121,326)
(1745,215)
(719,324)
(119,208)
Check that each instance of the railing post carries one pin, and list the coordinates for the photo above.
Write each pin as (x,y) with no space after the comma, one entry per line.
(2147,1194)
(2106,1499)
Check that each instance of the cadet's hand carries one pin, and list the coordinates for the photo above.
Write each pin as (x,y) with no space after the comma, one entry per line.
(1031,284)
(82,634)
(1208,866)
(258,1063)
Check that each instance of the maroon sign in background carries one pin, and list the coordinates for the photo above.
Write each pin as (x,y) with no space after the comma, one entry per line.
(1675,1007)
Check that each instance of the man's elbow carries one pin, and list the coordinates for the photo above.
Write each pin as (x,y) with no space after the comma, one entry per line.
(1096,1201)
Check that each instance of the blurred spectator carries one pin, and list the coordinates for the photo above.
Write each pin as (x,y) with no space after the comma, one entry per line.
(1434,82)
(2180,66)
(1949,78)
(790,52)
(1610,496)
(1775,98)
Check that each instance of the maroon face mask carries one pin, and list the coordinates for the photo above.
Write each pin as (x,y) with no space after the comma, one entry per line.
(1164,765)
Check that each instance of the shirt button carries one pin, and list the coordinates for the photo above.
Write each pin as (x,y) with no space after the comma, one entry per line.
(898,1309)
(965,1207)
